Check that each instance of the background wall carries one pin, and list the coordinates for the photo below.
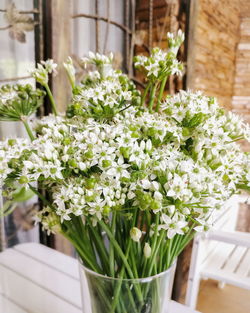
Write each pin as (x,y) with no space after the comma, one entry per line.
(213,39)
(241,98)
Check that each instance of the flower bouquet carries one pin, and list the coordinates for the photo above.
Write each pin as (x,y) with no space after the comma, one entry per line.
(129,176)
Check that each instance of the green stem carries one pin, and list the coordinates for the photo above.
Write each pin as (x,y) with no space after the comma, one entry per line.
(81,236)
(153,259)
(183,245)
(111,249)
(152,97)
(131,299)
(51,99)
(169,253)
(163,84)
(155,251)
(44,200)
(82,254)
(29,131)
(153,246)
(100,248)
(81,245)
(71,80)
(145,93)
(117,248)
(132,255)
(125,264)
(161,257)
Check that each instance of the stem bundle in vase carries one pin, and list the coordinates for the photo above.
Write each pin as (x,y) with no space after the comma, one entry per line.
(130,176)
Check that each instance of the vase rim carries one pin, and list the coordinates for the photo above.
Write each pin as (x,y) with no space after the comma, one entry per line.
(134,280)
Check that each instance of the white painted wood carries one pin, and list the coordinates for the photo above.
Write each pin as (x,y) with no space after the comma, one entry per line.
(221,284)
(234,237)
(47,256)
(223,254)
(33,297)
(40,275)
(7,306)
(194,275)
(244,265)
(230,265)
(179,308)
(229,278)
(36,279)
(218,257)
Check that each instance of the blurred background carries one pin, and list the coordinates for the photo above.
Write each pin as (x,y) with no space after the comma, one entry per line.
(216,54)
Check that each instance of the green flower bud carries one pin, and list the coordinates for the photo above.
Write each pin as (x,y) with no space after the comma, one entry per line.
(125,151)
(23,180)
(89,154)
(90,183)
(185,132)
(106,163)
(66,141)
(53,170)
(155,205)
(71,150)
(73,163)
(106,210)
(11,142)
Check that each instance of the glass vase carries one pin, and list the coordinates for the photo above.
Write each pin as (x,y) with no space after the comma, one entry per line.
(103,294)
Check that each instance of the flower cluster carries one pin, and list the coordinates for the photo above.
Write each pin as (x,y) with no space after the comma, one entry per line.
(175,163)
(18,101)
(148,176)
(104,92)
(41,74)
(162,63)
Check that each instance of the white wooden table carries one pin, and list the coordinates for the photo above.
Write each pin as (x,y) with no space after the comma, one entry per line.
(37,279)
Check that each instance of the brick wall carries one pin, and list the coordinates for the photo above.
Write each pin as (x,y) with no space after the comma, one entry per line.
(214,35)
(241,98)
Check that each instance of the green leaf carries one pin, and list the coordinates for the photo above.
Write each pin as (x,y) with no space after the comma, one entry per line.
(243,187)
(196,120)
(22,194)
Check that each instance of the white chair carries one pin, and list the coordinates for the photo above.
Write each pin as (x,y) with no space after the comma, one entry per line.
(223,255)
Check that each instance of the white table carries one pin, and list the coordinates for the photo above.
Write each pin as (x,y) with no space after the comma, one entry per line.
(37,279)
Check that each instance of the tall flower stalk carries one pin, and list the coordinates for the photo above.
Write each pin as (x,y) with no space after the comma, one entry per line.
(130,177)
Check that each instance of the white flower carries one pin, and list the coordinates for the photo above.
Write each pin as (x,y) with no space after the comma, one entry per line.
(135,234)
(50,66)
(173,226)
(42,71)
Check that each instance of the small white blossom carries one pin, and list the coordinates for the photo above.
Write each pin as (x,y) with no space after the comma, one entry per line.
(135,234)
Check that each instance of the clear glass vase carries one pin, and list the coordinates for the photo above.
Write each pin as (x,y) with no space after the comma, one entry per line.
(103,294)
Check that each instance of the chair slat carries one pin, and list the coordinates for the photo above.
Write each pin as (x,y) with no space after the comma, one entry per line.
(227,277)
(234,259)
(244,265)
(218,257)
